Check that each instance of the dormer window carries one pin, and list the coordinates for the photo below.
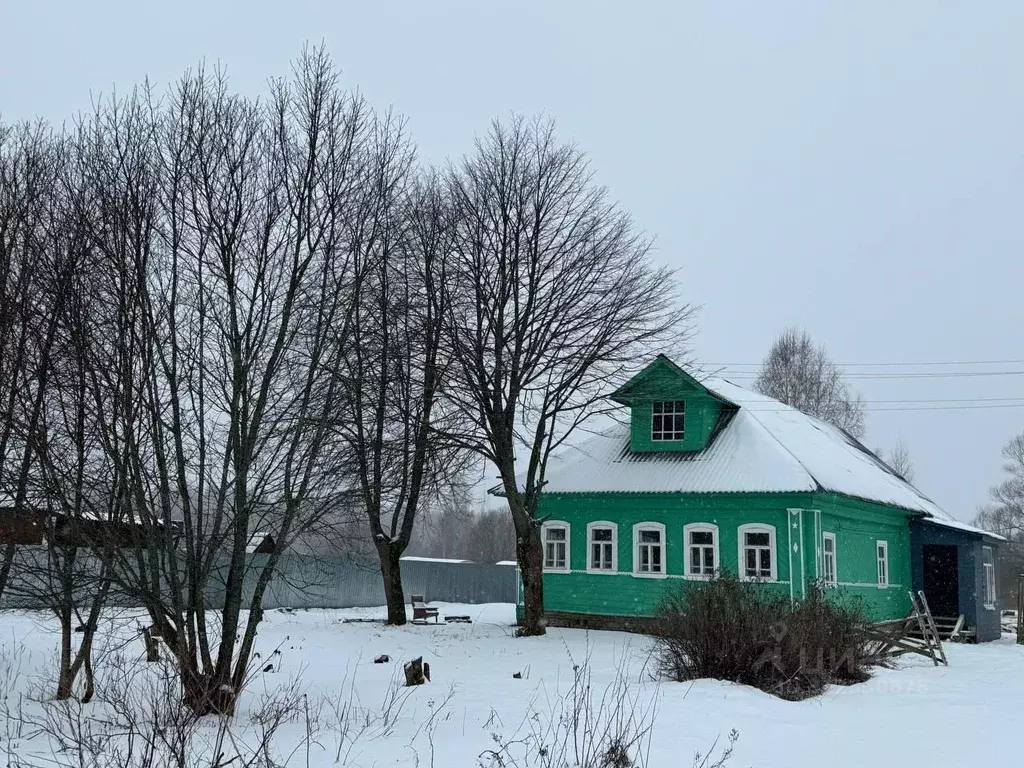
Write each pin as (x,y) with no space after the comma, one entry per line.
(667,420)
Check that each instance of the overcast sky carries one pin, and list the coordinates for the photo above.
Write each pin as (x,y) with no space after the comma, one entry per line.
(857,170)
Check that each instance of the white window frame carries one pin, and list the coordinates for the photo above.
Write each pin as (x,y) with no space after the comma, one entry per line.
(660,527)
(615,546)
(741,550)
(988,564)
(568,549)
(882,563)
(673,414)
(834,581)
(700,528)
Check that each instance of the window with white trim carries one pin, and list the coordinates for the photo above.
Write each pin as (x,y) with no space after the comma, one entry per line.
(828,559)
(649,549)
(882,552)
(668,420)
(555,536)
(757,552)
(700,552)
(990,576)
(602,547)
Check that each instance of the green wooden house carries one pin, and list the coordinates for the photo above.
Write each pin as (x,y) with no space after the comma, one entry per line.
(703,476)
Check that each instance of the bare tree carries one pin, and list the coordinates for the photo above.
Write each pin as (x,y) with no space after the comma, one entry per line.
(392,420)
(800,373)
(456,531)
(49,420)
(31,296)
(1004,514)
(490,537)
(900,462)
(554,301)
(73,482)
(220,223)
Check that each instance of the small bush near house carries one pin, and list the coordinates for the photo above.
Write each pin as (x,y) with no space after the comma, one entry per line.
(742,631)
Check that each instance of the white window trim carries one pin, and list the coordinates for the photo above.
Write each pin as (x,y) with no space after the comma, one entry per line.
(700,527)
(568,545)
(615,547)
(772,542)
(659,440)
(636,550)
(987,567)
(883,545)
(829,536)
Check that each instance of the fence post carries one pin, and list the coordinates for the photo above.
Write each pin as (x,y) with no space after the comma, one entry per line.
(1020,609)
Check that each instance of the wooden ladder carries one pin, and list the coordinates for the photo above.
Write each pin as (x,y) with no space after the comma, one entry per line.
(929,632)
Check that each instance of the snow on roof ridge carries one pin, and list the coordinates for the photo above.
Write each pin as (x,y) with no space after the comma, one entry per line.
(837,433)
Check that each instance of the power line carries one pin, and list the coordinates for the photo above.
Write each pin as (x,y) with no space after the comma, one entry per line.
(913,408)
(889,363)
(952,400)
(903,375)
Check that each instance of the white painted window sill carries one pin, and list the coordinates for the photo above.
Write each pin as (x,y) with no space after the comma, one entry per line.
(650,575)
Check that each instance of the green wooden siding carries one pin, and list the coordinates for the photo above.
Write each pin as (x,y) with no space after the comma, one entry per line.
(857,526)
(701,414)
(664,381)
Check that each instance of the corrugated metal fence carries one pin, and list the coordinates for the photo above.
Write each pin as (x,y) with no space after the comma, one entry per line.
(304,581)
(307,581)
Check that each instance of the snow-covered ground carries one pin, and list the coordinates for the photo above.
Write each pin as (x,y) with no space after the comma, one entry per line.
(965,714)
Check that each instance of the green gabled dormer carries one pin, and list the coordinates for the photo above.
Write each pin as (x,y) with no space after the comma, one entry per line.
(671,412)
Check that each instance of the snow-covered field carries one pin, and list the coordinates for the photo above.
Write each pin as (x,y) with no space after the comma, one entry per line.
(918,714)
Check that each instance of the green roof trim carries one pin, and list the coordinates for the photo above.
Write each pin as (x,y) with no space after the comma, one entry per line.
(662,378)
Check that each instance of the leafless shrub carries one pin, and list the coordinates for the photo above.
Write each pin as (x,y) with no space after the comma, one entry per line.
(710,759)
(16,728)
(353,725)
(143,723)
(584,727)
(727,629)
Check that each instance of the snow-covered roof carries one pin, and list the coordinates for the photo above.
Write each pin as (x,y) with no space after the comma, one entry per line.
(766,446)
(414,559)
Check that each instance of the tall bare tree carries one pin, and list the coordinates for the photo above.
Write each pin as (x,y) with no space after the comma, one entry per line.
(31,296)
(48,435)
(393,378)
(221,225)
(1004,514)
(800,373)
(73,484)
(553,301)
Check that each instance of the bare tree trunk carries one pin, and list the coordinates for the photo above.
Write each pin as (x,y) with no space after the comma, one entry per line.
(530,553)
(391,571)
(10,549)
(65,681)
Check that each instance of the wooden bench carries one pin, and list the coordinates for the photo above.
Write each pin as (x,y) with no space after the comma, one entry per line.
(421,611)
